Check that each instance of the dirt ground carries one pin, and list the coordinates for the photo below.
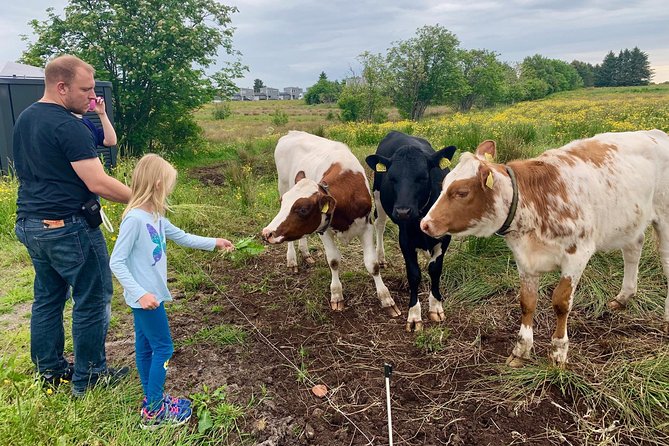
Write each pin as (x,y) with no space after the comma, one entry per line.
(437,398)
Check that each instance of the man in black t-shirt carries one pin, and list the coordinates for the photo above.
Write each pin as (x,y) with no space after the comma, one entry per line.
(58,171)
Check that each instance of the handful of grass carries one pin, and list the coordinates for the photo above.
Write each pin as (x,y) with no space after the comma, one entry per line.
(248,246)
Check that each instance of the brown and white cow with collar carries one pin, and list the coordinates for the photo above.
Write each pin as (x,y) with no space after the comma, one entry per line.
(324,189)
(557,210)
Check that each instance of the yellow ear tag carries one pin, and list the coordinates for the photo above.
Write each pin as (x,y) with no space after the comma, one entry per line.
(489,181)
(325,208)
(488,157)
(380,167)
(444,163)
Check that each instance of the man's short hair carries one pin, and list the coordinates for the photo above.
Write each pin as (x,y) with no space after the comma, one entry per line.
(64,68)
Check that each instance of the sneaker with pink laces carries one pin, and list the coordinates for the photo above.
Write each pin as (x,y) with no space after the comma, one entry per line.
(166,415)
(167,398)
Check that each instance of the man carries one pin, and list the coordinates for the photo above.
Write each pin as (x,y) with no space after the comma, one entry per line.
(58,171)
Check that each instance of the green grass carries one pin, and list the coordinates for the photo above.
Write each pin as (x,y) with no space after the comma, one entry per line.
(219,336)
(432,339)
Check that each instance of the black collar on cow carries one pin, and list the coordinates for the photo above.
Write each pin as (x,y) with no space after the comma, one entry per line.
(514,204)
(328,215)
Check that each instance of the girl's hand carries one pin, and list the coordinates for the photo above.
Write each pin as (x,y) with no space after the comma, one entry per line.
(224,244)
(149,301)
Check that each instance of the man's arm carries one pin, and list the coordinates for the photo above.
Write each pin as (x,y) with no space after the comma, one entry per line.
(97,181)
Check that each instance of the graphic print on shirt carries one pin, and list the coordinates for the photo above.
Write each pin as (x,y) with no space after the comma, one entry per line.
(158,238)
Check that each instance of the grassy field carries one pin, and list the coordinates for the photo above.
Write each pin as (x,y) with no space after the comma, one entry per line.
(620,399)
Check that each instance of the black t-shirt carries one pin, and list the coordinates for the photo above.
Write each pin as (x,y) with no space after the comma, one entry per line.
(47,138)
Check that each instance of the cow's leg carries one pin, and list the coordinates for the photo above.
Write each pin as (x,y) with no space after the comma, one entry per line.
(291,257)
(563,296)
(380,227)
(334,259)
(372,265)
(662,230)
(529,285)
(304,250)
(435,267)
(414,319)
(631,255)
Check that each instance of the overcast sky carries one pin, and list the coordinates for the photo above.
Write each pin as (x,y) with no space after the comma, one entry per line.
(289,42)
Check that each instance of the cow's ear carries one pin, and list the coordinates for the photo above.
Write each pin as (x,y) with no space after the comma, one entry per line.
(487,150)
(443,157)
(378,163)
(486,178)
(327,204)
(300,176)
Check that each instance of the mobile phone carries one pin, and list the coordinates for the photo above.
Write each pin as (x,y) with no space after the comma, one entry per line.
(92,104)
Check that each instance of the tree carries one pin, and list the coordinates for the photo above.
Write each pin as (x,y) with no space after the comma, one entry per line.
(557,74)
(607,74)
(424,70)
(363,97)
(640,71)
(154,52)
(483,77)
(257,85)
(323,91)
(586,71)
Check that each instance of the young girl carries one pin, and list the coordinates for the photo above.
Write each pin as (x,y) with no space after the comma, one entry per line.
(139,262)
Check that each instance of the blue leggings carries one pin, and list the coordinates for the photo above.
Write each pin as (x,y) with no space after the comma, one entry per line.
(153,349)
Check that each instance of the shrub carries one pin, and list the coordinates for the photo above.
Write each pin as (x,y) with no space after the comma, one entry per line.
(222,111)
(279,117)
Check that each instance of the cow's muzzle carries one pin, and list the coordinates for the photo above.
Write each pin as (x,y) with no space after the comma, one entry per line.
(270,237)
(403,213)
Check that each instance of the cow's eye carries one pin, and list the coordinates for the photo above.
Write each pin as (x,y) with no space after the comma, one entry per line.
(303,211)
(461,193)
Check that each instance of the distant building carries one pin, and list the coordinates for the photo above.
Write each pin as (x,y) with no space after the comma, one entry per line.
(293,92)
(244,94)
(270,93)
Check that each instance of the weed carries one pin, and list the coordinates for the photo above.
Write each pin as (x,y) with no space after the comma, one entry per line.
(432,340)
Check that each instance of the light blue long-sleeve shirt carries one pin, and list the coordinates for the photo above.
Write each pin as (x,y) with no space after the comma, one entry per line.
(139,258)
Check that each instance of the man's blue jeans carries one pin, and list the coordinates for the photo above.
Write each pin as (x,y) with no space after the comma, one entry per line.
(70,259)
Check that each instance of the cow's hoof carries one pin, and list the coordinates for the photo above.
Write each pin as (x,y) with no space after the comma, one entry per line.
(382,264)
(414,326)
(615,305)
(559,364)
(436,317)
(515,362)
(666,328)
(310,260)
(337,306)
(393,311)
(293,269)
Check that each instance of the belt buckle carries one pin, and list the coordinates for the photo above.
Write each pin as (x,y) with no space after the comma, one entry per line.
(53,224)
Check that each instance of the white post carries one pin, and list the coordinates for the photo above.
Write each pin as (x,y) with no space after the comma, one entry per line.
(387,371)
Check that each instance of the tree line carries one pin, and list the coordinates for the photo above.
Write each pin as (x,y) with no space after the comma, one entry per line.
(155,54)
(431,69)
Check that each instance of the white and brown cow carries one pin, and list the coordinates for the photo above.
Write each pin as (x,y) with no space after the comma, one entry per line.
(324,189)
(557,210)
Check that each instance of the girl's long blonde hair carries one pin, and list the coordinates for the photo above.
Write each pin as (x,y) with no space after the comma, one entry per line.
(152,181)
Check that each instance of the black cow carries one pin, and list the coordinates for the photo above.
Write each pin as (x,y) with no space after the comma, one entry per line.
(407,181)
